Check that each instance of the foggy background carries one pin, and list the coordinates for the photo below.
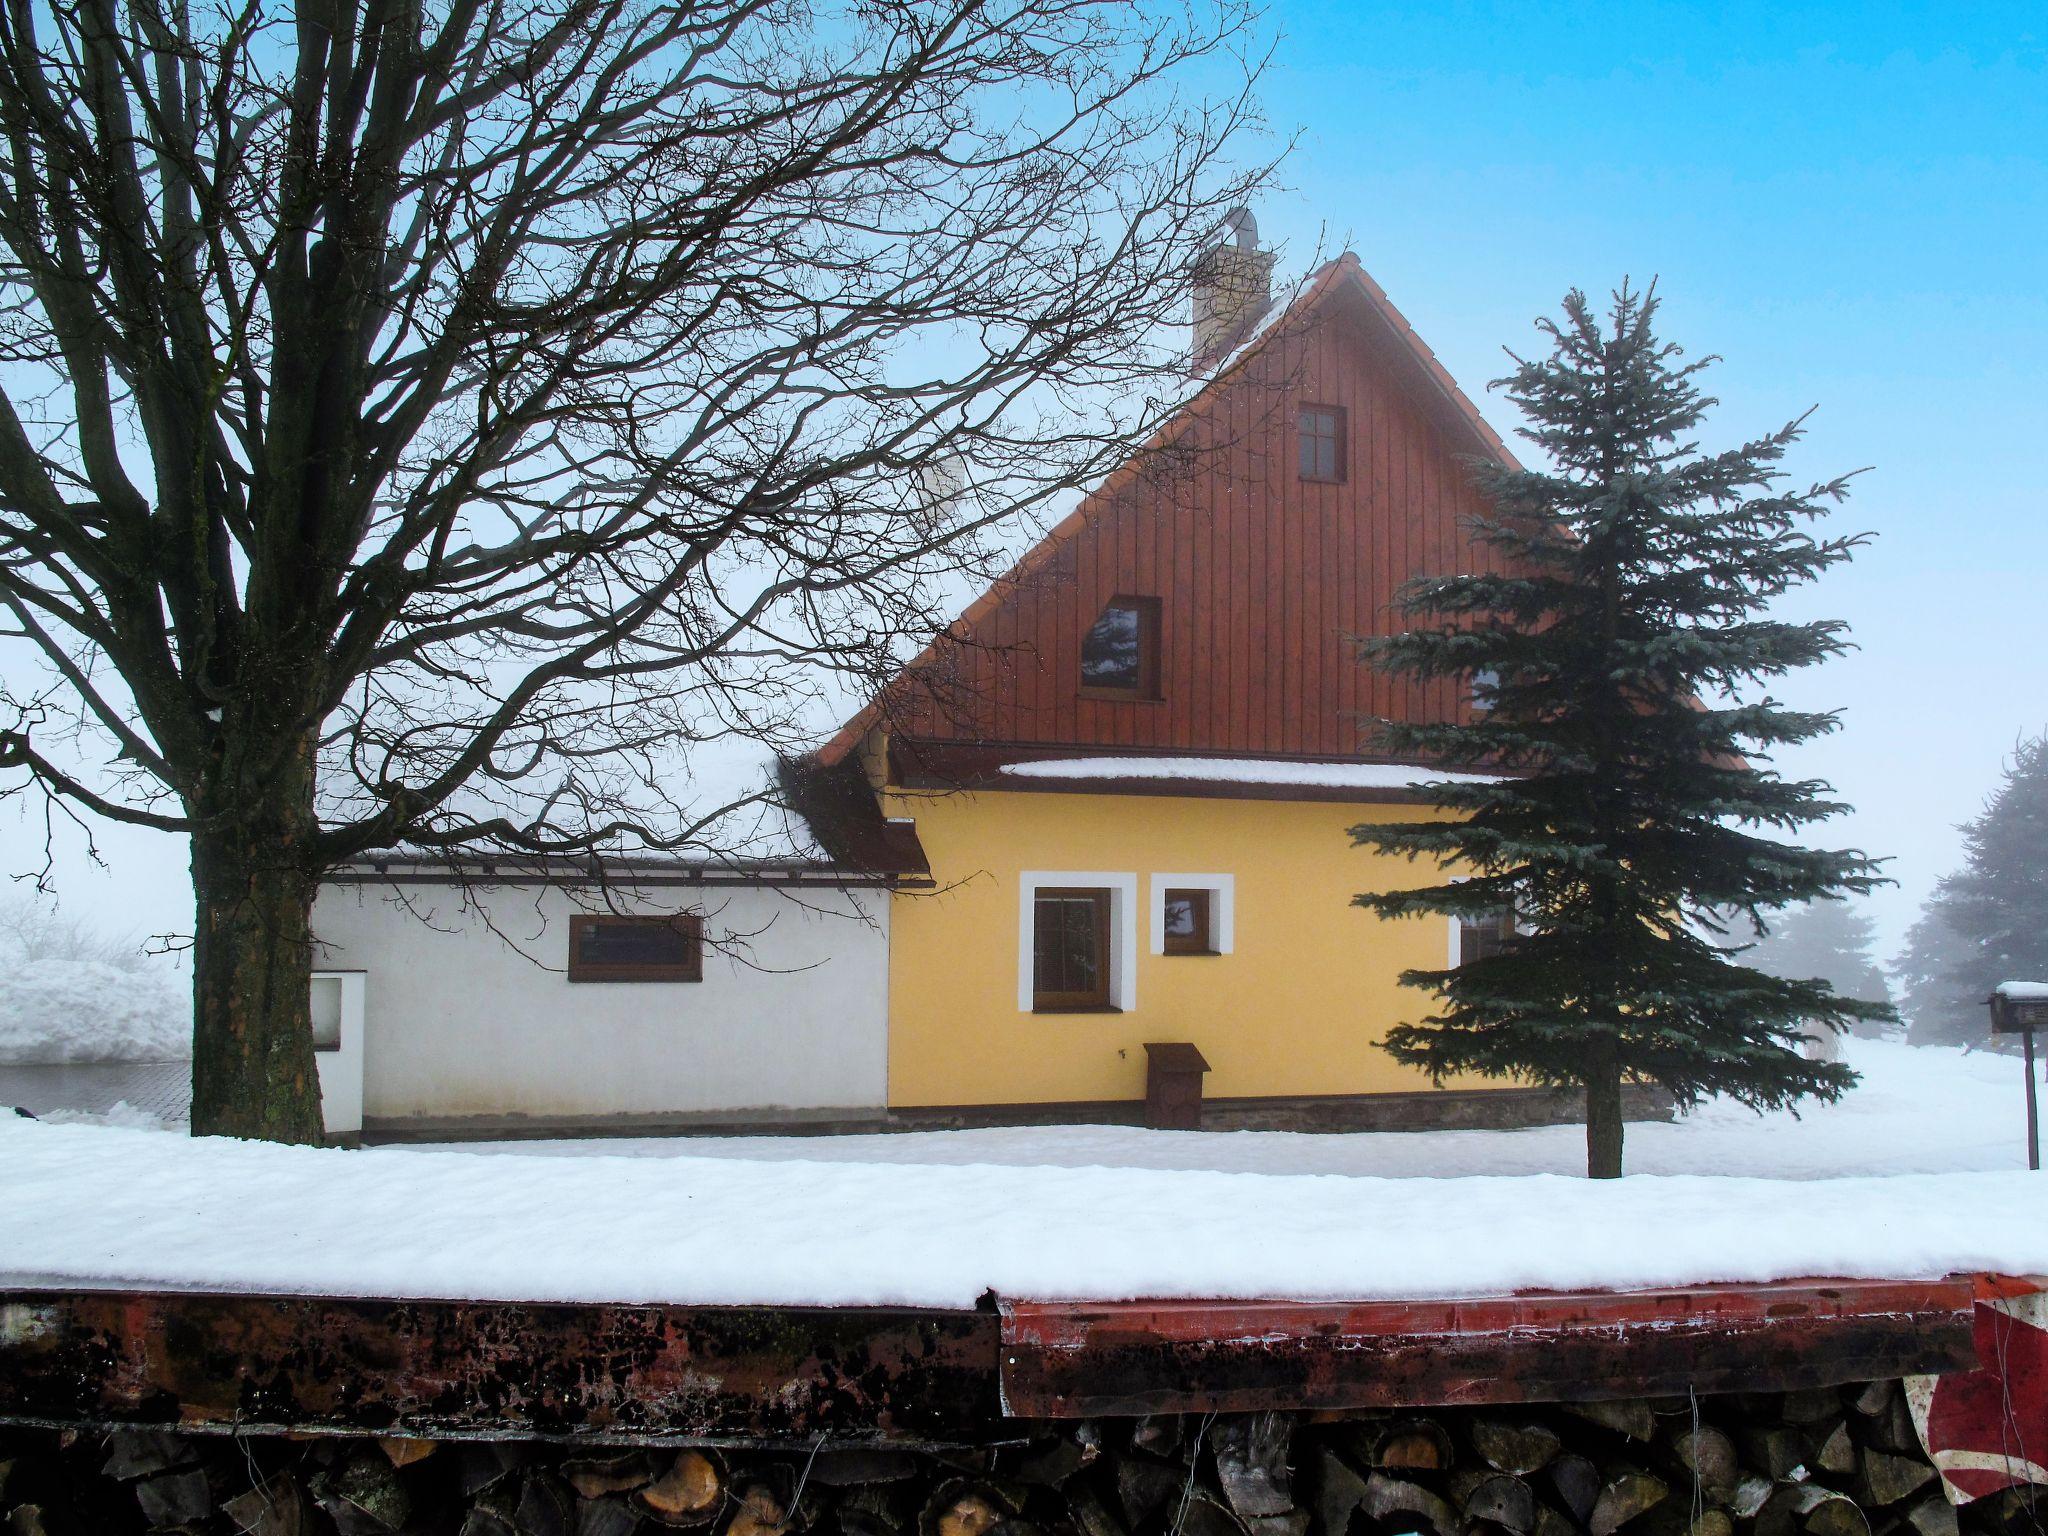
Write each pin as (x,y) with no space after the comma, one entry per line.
(1849,204)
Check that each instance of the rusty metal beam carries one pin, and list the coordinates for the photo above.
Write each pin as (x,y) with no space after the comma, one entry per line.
(785,1374)
(1069,1360)
(456,1369)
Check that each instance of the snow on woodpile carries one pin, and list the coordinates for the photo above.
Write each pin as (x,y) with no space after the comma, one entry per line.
(1245,770)
(101,1206)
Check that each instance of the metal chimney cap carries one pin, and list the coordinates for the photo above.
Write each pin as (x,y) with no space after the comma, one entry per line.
(1240,226)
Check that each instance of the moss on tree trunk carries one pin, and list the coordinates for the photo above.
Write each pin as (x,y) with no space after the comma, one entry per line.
(253,1067)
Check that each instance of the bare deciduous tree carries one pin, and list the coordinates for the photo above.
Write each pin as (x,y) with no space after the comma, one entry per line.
(427,424)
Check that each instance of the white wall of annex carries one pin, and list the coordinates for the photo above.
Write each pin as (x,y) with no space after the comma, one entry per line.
(467,1010)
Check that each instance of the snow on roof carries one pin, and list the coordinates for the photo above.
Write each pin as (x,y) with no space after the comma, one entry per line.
(93,1206)
(2022,991)
(1276,310)
(1246,770)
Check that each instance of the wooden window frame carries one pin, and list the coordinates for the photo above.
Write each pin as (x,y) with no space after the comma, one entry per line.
(1339,439)
(1100,1000)
(1503,923)
(1147,691)
(689,924)
(1203,940)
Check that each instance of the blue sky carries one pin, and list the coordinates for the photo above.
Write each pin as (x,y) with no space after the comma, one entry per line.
(1849,203)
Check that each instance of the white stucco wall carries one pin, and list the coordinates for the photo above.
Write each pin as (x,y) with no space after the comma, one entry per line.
(467,1011)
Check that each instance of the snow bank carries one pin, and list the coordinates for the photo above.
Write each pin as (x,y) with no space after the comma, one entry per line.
(58,1010)
(1245,770)
(120,1113)
(102,1207)
(937,1218)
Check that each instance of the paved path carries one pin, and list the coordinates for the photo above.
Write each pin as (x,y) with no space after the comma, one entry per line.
(163,1088)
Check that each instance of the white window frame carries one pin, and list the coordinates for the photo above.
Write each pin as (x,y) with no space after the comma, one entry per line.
(1123,928)
(1456,949)
(1222,891)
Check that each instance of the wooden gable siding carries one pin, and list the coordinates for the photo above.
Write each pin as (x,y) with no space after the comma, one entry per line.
(1261,574)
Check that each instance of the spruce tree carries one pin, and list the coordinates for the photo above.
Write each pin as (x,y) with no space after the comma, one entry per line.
(1635,830)
(1988,921)
(1833,940)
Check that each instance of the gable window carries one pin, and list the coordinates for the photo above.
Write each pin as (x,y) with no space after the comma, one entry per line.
(1070,949)
(1484,936)
(1120,652)
(1187,922)
(603,947)
(1322,443)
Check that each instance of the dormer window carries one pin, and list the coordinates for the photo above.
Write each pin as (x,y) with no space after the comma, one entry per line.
(1120,652)
(1322,443)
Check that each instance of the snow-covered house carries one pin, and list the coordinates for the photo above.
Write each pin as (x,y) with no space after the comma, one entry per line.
(1105,813)
(1133,762)
(652,992)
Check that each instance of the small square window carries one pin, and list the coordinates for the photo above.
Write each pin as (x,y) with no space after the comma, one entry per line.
(1120,652)
(609,948)
(1189,928)
(1484,936)
(1069,950)
(1322,443)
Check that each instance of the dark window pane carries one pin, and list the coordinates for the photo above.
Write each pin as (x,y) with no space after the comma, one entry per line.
(1322,443)
(634,944)
(1187,929)
(636,948)
(1481,938)
(1112,654)
(1068,966)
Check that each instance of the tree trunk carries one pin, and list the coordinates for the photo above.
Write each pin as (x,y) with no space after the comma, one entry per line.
(253,1068)
(1603,1114)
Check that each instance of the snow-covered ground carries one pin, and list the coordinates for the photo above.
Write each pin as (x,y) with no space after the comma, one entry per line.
(1919,1175)
(1917,1111)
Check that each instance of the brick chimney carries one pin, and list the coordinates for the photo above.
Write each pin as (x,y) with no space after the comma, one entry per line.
(1233,286)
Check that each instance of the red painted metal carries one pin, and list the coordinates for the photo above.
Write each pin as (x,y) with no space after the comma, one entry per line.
(1067,1359)
(782,1374)
(1987,1429)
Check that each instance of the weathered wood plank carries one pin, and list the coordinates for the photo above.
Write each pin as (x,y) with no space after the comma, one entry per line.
(447,1369)
(1066,1360)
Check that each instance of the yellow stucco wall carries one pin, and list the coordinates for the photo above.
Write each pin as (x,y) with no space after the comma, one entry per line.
(1297,1008)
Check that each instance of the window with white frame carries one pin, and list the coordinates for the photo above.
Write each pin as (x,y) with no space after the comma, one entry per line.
(1077,941)
(1481,936)
(1193,914)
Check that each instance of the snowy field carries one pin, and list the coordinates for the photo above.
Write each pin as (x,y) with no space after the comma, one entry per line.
(1919,1175)
(1917,1111)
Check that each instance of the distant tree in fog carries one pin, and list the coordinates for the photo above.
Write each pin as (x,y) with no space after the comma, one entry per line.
(1988,921)
(1831,941)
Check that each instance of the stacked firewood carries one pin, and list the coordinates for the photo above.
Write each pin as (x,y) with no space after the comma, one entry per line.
(1834,1462)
